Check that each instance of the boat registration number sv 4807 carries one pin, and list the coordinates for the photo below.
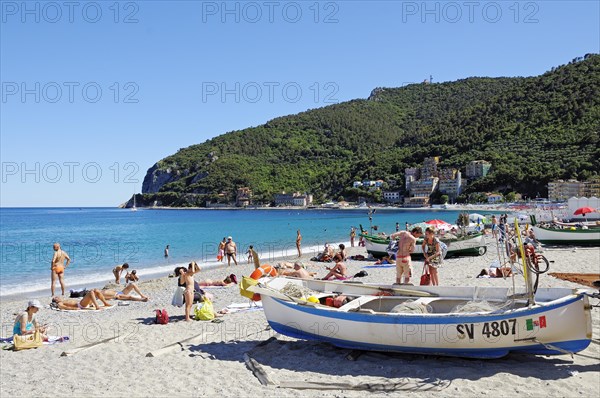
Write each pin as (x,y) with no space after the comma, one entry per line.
(489,329)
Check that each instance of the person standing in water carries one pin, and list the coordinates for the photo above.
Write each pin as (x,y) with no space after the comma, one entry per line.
(57,267)
(352,236)
(231,251)
(299,243)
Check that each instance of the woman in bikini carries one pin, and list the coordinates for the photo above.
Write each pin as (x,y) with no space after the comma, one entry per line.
(118,271)
(124,295)
(91,298)
(187,276)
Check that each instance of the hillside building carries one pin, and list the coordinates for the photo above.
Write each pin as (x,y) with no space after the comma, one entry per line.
(477,169)
(392,196)
(243,197)
(293,199)
(560,190)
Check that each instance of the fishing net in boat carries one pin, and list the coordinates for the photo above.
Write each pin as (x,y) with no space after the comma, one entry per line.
(412,307)
(474,306)
(296,291)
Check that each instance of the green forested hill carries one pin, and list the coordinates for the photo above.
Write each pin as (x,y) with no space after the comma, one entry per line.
(532,129)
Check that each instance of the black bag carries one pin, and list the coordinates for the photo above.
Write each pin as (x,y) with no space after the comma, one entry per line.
(78,294)
(198,297)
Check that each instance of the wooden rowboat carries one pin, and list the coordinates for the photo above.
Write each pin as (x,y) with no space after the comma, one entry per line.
(429,320)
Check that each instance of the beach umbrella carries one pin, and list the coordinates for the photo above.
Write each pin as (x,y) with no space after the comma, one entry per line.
(585,210)
(437,223)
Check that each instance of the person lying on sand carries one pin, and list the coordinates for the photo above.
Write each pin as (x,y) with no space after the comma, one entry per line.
(501,272)
(383,260)
(124,295)
(298,271)
(91,298)
(339,272)
(228,281)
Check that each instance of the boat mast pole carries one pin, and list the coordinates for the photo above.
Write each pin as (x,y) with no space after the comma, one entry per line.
(526,275)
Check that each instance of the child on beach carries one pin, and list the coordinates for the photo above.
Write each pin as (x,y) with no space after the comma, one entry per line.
(249,254)
(131,277)
(118,270)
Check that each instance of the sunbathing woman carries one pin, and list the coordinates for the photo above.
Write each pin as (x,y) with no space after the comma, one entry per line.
(124,295)
(91,298)
(501,272)
(339,272)
(228,281)
(383,261)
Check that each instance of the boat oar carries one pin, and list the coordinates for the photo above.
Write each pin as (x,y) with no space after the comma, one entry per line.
(404,292)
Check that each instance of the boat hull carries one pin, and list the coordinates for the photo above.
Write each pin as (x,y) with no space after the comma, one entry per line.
(474,246)
(542,329)
(577,237)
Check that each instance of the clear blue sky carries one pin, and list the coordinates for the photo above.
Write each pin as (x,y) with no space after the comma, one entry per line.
(162,74)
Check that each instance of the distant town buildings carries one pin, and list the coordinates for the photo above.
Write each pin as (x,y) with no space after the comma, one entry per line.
(368,184)
(561,190)
(424,181)
(477,169)
(293,199)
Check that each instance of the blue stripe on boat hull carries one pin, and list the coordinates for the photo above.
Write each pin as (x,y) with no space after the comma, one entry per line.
(428,319)
(483,353)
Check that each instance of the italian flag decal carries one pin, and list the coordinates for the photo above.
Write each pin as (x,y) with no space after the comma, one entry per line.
(540,322)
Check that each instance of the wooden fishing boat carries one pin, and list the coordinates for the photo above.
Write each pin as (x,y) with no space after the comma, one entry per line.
(473,245)
(427,319)
(567,236)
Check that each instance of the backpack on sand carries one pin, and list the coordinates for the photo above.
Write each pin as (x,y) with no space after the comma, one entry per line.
(162,318)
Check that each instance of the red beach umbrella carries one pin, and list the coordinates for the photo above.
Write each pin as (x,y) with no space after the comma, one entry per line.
(585,210)
(437,223)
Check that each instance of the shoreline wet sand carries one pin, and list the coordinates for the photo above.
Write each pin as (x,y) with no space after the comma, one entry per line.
(213,363)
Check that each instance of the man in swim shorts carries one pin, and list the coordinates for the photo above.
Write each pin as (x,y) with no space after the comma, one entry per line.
(57,267)
(406,245)
(230,251)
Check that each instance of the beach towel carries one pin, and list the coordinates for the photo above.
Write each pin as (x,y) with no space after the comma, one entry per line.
(241,307)
(90,308)
(379,266)
(177,300)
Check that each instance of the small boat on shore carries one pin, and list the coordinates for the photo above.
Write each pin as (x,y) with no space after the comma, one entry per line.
(576,236)
(475,322)
(467,245)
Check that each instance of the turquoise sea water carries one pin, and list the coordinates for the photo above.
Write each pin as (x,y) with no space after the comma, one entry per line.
(97,239)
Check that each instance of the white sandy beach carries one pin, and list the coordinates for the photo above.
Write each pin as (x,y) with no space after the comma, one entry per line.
(214,364)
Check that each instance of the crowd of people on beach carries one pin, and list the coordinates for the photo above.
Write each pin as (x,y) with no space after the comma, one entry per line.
(189,291)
